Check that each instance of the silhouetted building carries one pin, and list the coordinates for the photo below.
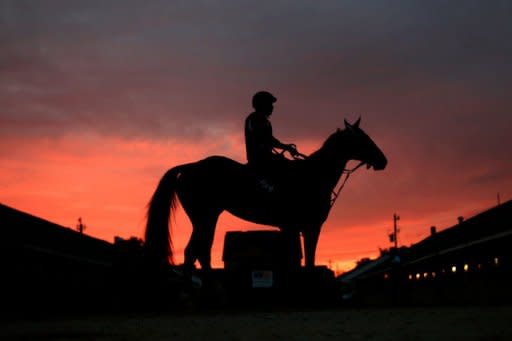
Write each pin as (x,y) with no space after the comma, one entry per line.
(43,263)
(468,262)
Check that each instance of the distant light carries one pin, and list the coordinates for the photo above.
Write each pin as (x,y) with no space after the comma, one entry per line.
(425,275)
(386,276)
(479,266)
(410,276)
(466,267)
(433,275)
(496,261)
(418,276)
(454,268)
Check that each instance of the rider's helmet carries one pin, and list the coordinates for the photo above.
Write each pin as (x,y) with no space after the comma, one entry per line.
(262,99)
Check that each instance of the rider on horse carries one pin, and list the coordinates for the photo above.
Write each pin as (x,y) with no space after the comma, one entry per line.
(260,142)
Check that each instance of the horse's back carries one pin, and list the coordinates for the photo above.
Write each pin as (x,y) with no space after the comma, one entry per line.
(214,171)
(222,164)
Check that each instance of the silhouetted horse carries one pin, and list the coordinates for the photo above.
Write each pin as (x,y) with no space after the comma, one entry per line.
(300,202)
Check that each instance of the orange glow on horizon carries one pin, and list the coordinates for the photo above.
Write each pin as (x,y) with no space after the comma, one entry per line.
(108,182)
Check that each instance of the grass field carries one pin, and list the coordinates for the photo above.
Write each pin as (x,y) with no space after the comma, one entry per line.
(423,323)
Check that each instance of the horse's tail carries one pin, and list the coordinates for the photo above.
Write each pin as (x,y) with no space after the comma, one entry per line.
(158,244)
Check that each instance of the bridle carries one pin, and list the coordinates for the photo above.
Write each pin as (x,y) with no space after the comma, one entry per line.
(335,193)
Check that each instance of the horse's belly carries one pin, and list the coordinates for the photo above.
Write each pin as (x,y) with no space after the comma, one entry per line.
(259,213)
(269,211)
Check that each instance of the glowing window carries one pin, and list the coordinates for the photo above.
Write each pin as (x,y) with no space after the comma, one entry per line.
(433,275)
(386,276)
(496,261)
(425,275)
(454,268)
(466,267)
(418,276)
(410,276)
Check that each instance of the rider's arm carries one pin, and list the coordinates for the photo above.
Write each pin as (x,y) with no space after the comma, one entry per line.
(278,144)
(289,147)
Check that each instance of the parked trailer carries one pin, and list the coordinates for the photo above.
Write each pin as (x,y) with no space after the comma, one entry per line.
(264,267)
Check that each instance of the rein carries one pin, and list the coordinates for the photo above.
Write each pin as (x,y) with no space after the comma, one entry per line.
(336,193)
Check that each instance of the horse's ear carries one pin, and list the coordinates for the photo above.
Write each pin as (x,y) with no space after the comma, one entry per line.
(347,125)
(356,125)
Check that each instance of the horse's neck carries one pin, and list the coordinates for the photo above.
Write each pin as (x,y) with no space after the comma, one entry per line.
(328,166)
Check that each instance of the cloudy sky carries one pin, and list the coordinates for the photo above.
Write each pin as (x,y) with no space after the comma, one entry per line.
(99,98)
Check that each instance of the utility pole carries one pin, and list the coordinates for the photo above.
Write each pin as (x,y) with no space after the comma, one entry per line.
(394,236)
(80,226)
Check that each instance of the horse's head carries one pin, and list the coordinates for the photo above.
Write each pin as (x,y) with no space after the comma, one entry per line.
(361,147)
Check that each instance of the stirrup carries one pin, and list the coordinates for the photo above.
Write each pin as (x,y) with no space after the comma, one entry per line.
(266,186)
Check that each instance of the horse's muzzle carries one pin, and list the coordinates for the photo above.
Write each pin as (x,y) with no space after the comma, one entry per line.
(379,164)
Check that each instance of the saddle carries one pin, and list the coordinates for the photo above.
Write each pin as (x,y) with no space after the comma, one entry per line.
(274,175)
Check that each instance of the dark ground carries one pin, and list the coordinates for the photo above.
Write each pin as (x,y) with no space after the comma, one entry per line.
(420,323)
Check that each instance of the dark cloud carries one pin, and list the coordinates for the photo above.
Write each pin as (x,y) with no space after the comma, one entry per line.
(183,69)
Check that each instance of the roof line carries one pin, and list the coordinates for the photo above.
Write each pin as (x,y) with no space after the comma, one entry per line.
(461,246)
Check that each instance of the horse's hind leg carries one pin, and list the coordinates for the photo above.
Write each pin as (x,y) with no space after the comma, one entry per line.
(206,241)
(200,244)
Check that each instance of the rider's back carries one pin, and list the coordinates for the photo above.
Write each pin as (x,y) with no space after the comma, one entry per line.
(258,138)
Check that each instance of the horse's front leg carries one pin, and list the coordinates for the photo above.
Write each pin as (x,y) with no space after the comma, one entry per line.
(310,235)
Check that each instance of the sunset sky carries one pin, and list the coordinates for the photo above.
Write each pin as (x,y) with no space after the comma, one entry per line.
(99,98)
